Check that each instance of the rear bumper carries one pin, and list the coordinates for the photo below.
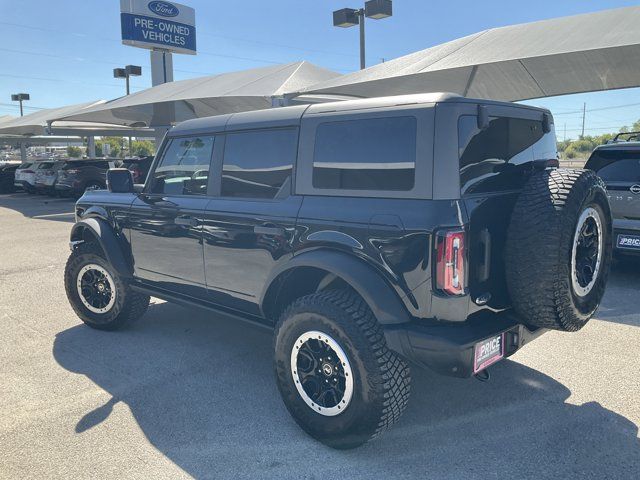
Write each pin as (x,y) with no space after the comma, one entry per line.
(448,348)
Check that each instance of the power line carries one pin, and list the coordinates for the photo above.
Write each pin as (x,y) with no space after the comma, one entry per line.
(613,107)
(24,106)
(81,59)
(62,80)
(112,39)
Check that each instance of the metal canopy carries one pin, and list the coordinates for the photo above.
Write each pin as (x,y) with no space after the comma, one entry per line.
(582,53)
(169,103)
(38,124)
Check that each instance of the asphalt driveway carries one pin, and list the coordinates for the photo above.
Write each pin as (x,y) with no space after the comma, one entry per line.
(185,393)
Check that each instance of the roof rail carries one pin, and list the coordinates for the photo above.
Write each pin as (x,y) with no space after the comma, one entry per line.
(632,136)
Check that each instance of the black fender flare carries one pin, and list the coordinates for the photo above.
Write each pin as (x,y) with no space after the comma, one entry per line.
(379,295)
(108,240)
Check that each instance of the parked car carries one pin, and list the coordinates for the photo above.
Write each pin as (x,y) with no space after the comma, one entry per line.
(431,228)
(76,176)
(46,177)
(7,176)
(25,176)
(139,167)
(618,164)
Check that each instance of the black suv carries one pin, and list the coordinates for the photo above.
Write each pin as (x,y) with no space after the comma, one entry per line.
(76,176)
(618,164)
(431,228)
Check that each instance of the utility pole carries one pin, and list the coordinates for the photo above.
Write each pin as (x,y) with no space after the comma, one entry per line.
(565,131)
(584,113)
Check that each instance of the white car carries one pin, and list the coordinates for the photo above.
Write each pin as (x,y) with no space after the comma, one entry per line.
(26,176)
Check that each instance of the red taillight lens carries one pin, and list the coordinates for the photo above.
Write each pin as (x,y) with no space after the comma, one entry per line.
(450,266)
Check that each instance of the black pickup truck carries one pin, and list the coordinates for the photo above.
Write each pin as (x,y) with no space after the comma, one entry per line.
(431,229)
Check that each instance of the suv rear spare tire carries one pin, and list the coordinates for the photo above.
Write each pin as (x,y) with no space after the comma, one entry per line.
(558,249)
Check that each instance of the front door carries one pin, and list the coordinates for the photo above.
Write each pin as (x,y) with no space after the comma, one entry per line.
(250,227)
(166,220)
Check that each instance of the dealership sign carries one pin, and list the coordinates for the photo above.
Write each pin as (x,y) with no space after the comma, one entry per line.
(158,25)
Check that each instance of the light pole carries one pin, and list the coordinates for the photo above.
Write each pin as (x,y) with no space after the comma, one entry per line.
(349,17)
(126,72)
(19,97)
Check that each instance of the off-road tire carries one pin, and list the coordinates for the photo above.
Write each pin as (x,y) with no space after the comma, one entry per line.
(381,378)
(539,248)
(129,305)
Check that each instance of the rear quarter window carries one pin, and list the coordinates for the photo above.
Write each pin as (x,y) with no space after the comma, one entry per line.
(366,154)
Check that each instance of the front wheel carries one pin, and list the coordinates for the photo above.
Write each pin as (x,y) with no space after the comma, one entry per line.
(98,295)
(337,377)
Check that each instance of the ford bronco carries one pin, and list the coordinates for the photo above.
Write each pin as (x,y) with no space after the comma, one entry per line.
(369,234)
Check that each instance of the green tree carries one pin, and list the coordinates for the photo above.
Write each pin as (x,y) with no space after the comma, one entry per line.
(115,144)
(142,148)
(74,152)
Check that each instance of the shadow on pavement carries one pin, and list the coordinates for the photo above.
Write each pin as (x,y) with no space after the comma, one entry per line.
(201,388)
(620,303)
(40,207)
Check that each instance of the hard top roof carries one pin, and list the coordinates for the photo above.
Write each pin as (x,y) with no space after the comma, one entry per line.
(283,116)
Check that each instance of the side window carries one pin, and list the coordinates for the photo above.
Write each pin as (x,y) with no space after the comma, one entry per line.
(184,167)
(258,163)
(369,154)
(492,159)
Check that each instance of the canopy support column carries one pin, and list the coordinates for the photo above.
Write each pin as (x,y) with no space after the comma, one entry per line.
(159,136)
(91,147)
(23,152)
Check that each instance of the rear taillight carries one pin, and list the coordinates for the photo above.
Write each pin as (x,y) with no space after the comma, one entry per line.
(71,171)
(450,265)
(28,171)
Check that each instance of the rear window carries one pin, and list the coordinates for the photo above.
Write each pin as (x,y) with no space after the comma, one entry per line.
(24,165)
(491,159)
(44,165)
(615,166)
(369,154)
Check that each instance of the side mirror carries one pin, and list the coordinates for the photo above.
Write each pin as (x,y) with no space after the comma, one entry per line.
(483,117)
(119,180)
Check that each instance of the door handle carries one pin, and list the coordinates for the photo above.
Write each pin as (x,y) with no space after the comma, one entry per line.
(265,230)
(187,221)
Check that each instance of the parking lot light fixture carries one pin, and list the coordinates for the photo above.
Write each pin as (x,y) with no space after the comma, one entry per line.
(350,17)
(20,97)
(126,72)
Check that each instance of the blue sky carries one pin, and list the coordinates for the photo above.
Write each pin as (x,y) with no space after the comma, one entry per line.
(63,52)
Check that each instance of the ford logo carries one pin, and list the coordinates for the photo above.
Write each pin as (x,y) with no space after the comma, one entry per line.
(635,189)
(164,9)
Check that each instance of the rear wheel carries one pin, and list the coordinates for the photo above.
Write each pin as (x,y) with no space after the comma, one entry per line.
(98,295)
(559,249)
(337,377)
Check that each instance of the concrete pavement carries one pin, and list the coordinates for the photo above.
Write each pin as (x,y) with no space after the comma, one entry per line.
(189,394)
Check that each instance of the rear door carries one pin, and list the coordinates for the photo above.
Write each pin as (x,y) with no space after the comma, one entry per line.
(249,227)
(166,220)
